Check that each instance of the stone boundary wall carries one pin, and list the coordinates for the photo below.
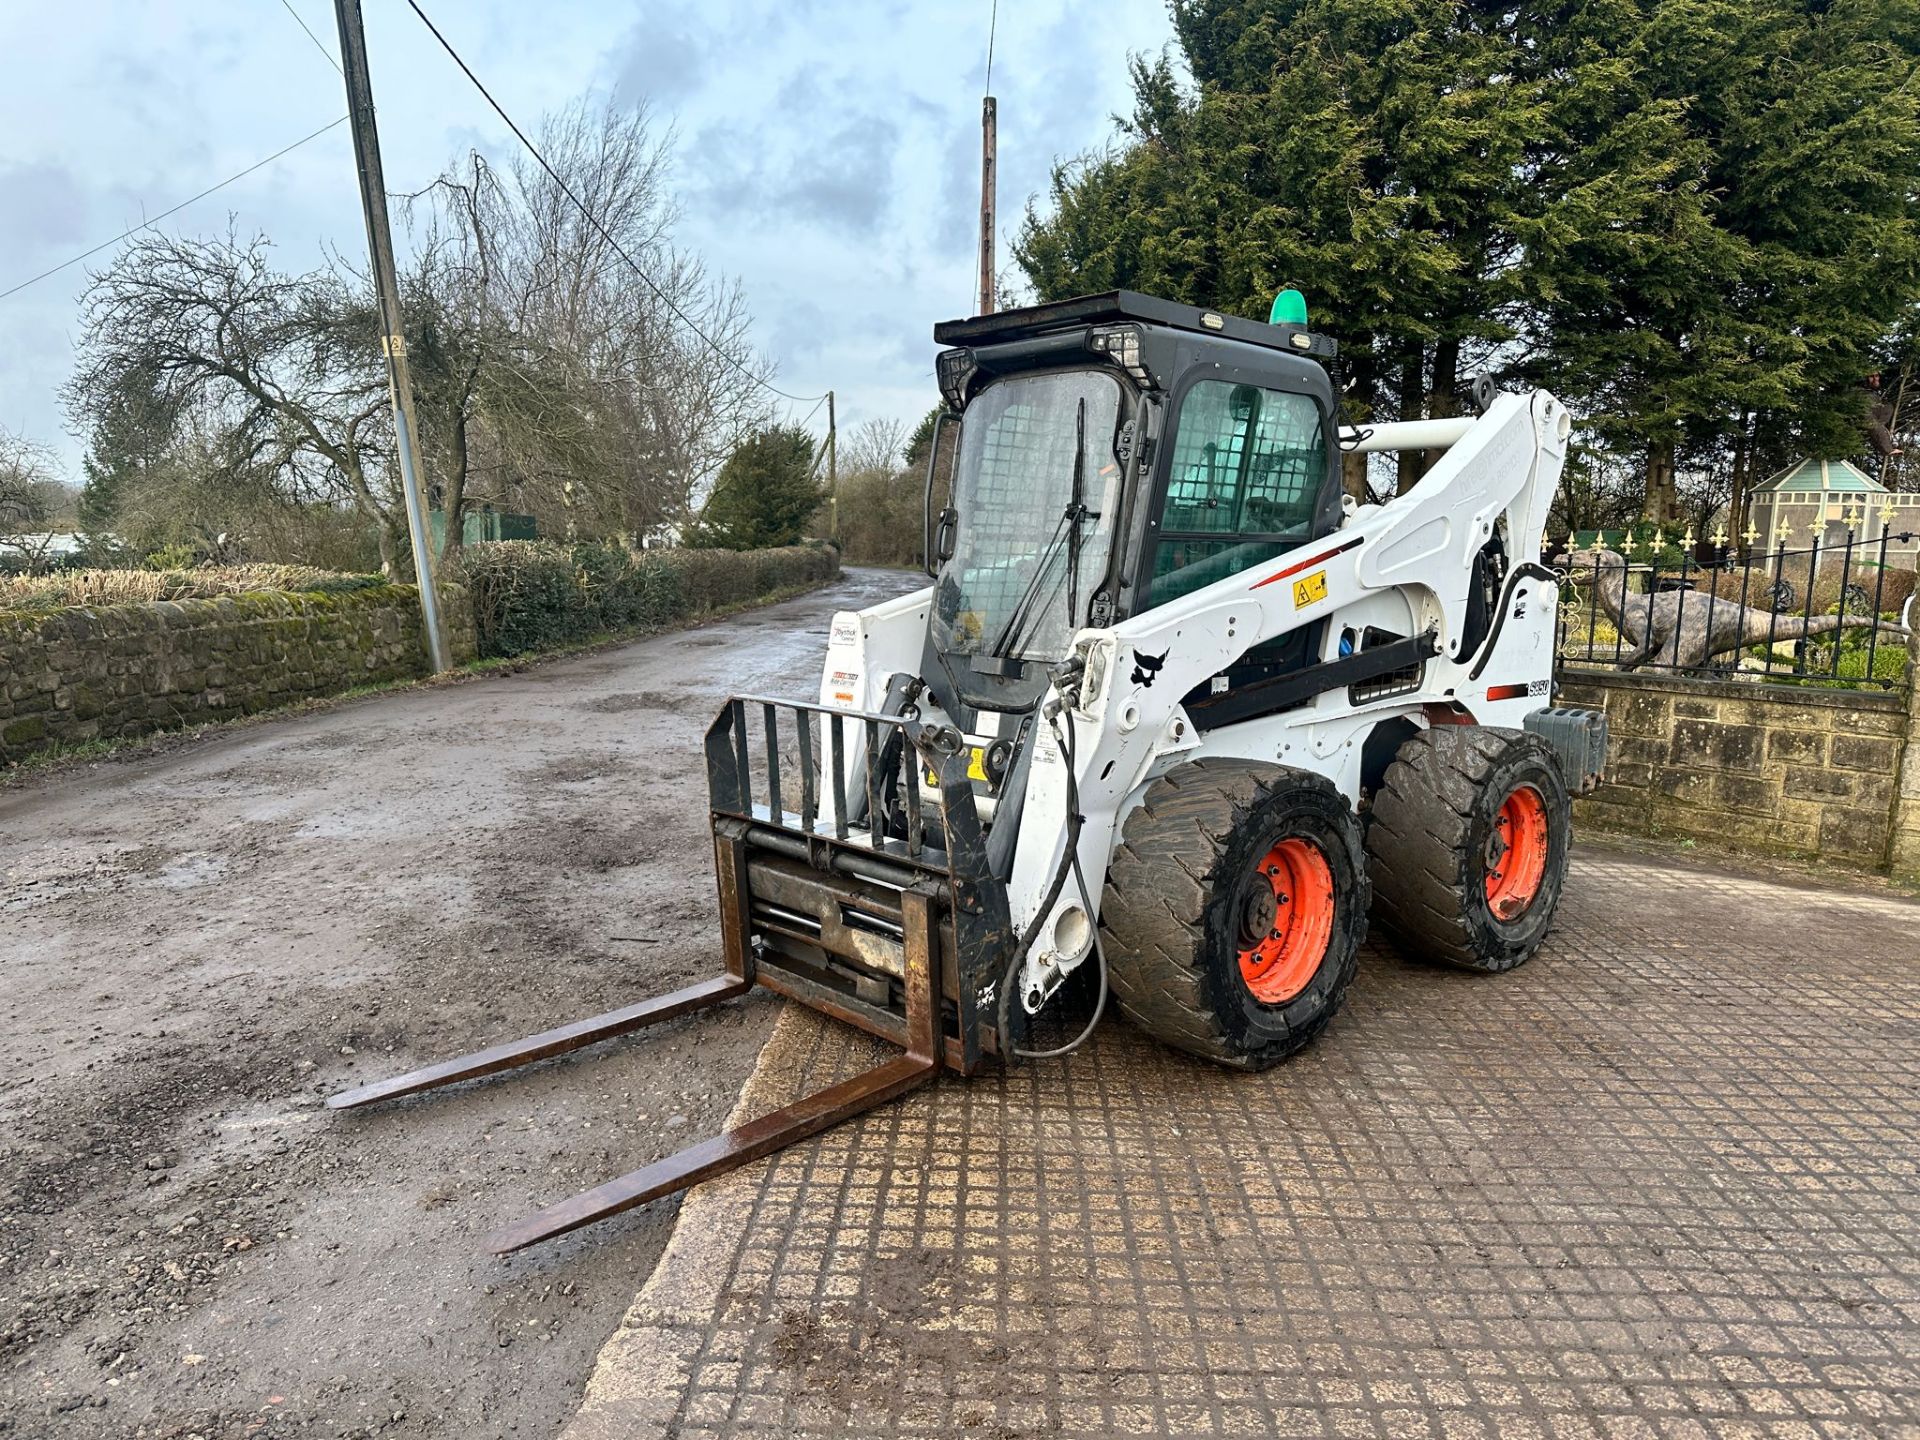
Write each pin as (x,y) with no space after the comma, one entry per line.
(1767,769)
(87,673)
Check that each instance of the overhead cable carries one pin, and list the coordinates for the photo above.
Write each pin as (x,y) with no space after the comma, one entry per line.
(311,36)
(594,220)
(148,224)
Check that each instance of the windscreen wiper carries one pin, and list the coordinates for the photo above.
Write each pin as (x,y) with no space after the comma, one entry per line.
(1067,530)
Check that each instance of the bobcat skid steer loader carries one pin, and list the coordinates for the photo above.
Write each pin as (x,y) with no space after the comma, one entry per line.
(1173,707)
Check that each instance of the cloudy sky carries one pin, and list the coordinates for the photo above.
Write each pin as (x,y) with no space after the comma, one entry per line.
(827,149)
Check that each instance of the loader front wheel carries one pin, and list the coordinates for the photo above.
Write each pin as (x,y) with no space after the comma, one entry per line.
(1234,910)
(1467,846)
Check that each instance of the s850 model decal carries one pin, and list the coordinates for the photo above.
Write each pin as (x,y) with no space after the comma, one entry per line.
(1520,691)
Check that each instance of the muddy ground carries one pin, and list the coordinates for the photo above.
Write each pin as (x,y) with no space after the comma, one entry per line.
(197,946)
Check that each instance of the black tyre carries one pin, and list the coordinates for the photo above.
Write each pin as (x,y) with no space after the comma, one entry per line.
(1467,845)
(1234,910)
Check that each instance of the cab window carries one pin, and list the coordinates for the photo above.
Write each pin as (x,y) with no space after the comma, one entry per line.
(1244,484)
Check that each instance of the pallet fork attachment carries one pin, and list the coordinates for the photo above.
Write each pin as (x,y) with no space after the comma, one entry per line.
(797,929)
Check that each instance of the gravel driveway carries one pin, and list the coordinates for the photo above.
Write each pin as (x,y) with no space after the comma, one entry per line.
(197,946)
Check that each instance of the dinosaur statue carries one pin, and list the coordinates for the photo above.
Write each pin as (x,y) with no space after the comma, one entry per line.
(1685,629)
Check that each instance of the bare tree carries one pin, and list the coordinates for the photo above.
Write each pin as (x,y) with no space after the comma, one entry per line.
(551,374)
(286,368)
(877,445)
(675,403)
(30,496)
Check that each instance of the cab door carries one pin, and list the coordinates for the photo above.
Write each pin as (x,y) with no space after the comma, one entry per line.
(1249,475)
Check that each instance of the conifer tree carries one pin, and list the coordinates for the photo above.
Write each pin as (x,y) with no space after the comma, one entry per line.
(1696,219)
(765,492)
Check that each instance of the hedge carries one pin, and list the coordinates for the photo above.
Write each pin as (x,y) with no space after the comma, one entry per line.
(531,595)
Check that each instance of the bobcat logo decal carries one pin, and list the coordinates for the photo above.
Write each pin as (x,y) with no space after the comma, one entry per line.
(1146,668)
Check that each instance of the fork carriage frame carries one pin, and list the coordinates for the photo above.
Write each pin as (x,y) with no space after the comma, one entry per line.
(896,927)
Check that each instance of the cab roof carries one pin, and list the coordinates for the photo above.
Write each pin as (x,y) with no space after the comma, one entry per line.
(1120,306)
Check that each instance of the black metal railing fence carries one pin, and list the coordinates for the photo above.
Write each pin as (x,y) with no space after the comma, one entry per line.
(1834,612)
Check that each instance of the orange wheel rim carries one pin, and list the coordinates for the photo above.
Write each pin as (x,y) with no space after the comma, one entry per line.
(1517,854)
(1286,920)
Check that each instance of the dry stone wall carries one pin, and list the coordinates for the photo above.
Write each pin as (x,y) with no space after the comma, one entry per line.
(1769,769)
(81,674)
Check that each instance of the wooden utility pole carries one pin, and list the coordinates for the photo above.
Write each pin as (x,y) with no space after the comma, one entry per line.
(373,201)
(833,473)
(989,143)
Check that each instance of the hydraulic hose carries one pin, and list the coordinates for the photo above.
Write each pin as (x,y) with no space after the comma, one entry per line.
(1069,864)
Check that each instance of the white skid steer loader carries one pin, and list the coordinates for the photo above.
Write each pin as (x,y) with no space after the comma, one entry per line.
(1174,707)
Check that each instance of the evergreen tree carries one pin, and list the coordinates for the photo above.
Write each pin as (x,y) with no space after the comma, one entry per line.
(128,438)
(1694,218)
(1370,154)
(765,492)
(1735,309)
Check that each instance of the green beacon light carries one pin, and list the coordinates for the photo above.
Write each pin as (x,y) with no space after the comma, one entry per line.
(1289,308)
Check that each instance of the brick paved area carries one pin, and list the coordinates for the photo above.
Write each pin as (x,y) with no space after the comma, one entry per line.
(1661,1182)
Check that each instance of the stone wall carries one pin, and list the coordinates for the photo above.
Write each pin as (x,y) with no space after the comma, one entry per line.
(1769,769)
(92,673)
(1903,853)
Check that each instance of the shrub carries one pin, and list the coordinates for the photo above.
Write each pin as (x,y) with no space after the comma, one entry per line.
(533,595)
(883,517)
(527,595)
(627,590)
(173,557)
(711,579)
(1889,587)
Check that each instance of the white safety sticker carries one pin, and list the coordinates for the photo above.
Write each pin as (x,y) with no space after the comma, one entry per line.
(1046,748)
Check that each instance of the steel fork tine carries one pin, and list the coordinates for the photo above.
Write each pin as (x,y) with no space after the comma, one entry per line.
(804,1117)
(513,1054)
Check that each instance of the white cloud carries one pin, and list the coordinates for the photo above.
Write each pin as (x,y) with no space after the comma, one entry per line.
(829,156)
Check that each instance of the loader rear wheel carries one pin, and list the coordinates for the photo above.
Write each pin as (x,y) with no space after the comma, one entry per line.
(1234,910)
(1467,846)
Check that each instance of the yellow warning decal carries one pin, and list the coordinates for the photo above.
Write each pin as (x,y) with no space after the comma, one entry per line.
(976,766)
(1309,589)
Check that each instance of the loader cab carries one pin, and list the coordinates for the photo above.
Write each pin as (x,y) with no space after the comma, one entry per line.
(1114,453)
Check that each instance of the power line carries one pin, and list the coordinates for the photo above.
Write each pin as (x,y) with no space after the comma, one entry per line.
(993,25)
(148,224)
(594,221)
(311,36)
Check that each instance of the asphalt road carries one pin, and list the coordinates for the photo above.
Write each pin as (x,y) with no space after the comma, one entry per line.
(200,944)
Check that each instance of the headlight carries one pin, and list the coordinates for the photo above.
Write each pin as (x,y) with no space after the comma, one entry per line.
(1121,344)
(956,369)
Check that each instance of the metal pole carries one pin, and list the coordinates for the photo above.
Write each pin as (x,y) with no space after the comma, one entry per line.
(373,200)
(989,144)
(833,472)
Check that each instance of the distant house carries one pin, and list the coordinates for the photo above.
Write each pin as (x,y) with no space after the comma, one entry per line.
(35,551)
(1824,500)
